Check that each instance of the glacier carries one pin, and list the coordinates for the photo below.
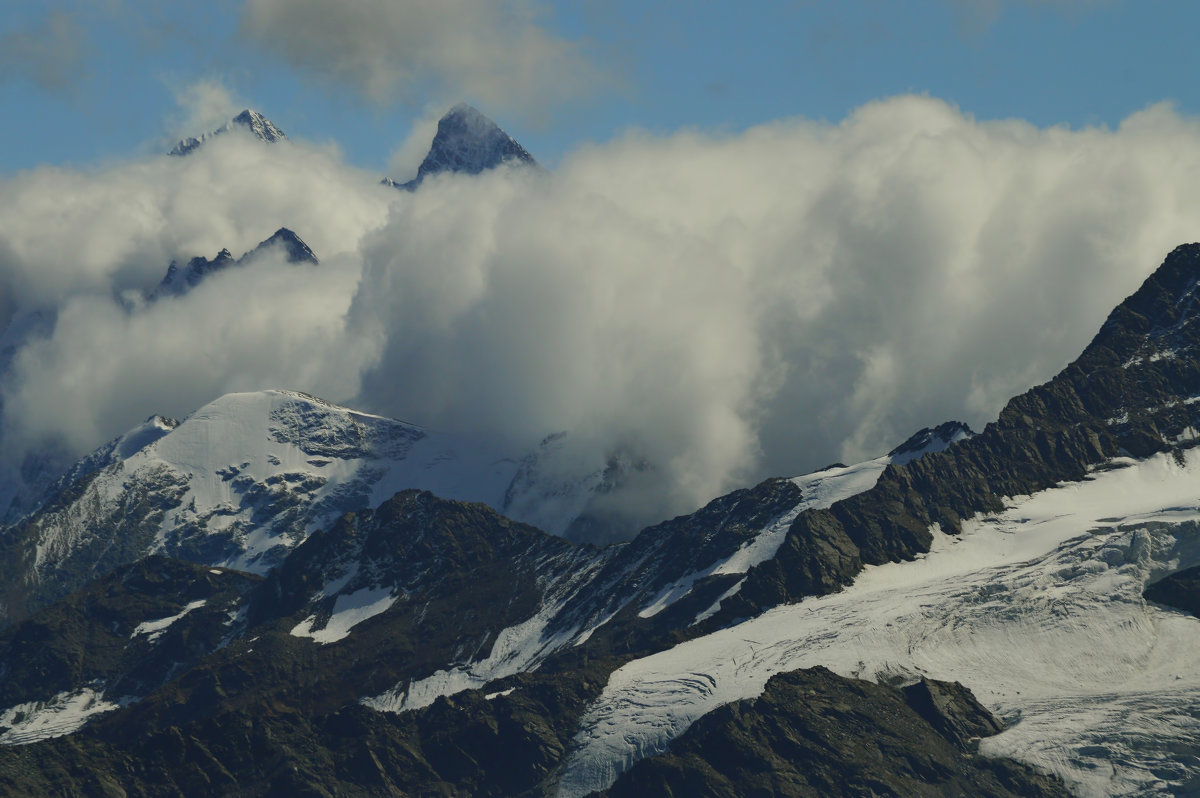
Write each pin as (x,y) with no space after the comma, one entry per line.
(1038,610)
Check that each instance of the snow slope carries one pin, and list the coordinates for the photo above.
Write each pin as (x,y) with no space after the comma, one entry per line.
(1038,610)
(524,646)
(63,714)
(819,489)
(248,476)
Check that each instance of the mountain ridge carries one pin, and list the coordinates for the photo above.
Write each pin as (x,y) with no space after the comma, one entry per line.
(509,661)
(249,120)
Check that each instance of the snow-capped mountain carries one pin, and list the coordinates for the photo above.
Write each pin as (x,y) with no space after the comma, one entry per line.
(280,595)
(239,483)
(467,142)
(252,121)
(489,599)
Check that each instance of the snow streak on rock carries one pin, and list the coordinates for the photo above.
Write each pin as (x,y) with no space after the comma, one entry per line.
(155,629)
(349,610)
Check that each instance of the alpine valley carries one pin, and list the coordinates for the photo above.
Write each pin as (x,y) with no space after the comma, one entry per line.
(281,596)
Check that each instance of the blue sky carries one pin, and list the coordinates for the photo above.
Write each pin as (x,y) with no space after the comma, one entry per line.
(87,80)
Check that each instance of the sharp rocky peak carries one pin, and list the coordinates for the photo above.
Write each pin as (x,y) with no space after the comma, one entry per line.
(181,279)
(928,440)
(467,142)
(259,126)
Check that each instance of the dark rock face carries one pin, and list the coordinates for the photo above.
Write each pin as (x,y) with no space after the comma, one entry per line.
(662,555)
(265,711)
(467,142)
(952,711)
(1180,590)
(107,633)
(258,125)
(930,439)
(813,733)
(294,249)
(179,280)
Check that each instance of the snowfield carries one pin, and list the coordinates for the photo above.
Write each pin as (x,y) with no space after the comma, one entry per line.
(1038,610)
(248,476)
(60,715)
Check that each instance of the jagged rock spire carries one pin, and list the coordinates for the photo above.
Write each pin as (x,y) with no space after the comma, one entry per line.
(258,125)
(467,142)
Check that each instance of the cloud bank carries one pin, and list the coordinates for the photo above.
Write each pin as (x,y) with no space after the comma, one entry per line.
(493,51)
(725,307)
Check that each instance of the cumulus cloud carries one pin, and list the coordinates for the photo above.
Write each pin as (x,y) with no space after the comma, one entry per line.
(493,51)
(50,53)
(76,247)
(721,307)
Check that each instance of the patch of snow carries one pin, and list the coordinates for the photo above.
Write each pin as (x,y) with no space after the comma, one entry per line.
(818,490)
(1038,610)
(63,714)
(349,610)
(155,629)
(517,649)
(716,605)
(494,696)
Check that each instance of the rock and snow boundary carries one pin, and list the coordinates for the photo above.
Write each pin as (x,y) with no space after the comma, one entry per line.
(1038,610)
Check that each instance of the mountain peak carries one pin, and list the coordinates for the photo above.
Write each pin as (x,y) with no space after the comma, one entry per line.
(294,247)
(928,440)
(259,126)
(179,280)
(467,142)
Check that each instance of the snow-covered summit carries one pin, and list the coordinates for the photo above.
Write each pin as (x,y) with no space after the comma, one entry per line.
(467,142)
(259,126)
(247,477)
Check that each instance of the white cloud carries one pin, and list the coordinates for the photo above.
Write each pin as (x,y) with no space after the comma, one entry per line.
(728,307)
(203,106)
(406,158)
(494,51)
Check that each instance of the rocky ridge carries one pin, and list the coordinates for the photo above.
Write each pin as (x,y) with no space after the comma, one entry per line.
(251,121)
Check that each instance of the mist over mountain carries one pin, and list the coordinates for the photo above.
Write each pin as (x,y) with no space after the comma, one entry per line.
(723,307)
(507,537)
(237,581)
(250,121)
(466,142)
